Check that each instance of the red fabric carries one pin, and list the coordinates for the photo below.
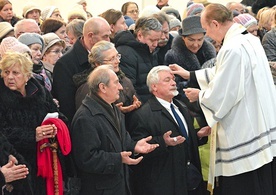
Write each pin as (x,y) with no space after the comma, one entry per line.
(45,158)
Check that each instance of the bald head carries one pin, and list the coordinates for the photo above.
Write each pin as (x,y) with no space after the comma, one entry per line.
(95,29)
(26,26)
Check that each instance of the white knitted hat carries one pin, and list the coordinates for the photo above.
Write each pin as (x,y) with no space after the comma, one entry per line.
(47,12)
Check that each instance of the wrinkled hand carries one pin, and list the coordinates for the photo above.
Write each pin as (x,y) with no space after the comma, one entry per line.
(45,131)
(14,172)
(125,109)
(173,141)
(142,146)
(204,131)
(192,94)
(130,161)
(176,69)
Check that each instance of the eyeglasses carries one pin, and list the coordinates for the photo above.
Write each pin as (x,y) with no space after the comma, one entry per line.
(56,51)
(117,57)
(133,12)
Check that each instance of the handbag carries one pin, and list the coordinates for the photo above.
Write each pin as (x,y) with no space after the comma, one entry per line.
(72,185)
(194,177)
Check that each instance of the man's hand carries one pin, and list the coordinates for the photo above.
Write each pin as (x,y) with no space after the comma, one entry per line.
(142,146)
(173,141)
(129,161)
(125,109)
(204,131)
(178,70)
(192,94)
(14,172)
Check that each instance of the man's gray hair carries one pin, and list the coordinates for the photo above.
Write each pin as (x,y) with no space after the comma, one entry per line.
(153,76)
(146,24)
(21,24)
(76,27)
(101,74)
(96,55)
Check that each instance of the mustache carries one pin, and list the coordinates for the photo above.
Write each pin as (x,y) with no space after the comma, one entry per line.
(163,41)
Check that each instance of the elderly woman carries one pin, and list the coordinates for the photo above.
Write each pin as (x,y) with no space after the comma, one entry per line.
(104,52)
(52,51)
(23,106)
(13,171)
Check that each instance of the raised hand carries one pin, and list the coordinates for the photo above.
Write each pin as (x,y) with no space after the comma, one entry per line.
(172,141)
(176,69)
(142,146)
(125,109)
(129,161)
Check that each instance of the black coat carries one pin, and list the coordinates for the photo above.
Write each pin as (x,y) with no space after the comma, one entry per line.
(136,61)
(20,187)
(162,171)
(97,140)
(163,50)
(19,118)
(74,61)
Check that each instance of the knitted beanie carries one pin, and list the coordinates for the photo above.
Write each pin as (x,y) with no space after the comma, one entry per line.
(5,28)
(10,44)
(170,11)
(245,19)
(194,9)
(29,7)
(47,12)
(77,11)
(51,39)
(31,38)
(174,22)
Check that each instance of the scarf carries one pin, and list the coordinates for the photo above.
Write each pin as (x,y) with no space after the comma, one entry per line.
(45,157)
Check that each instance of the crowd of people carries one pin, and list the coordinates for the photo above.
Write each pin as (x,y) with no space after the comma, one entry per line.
(139,101)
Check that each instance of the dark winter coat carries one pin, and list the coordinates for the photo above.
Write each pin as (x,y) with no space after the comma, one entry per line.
(20,116)
(126,95)
(98,137)
(162,171)
(20,187)
(136,61)
(72,62)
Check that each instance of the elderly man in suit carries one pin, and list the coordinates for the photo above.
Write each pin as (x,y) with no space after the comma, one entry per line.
(167,120)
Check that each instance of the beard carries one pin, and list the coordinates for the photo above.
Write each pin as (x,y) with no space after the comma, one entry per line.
(175,92)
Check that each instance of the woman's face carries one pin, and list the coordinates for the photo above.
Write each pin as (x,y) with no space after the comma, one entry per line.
(132,11)
(112,57)
(53,54)
(36,50)
(6,13)
(14,78)
(61,33)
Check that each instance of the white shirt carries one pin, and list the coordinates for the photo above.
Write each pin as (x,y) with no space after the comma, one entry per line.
(167,105)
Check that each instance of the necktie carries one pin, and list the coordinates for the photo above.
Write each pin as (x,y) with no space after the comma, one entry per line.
(180,123)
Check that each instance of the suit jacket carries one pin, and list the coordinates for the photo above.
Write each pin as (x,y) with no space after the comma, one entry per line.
(97,140)
(162,171)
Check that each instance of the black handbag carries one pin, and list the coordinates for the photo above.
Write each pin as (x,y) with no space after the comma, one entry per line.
(194,177)
(72,185)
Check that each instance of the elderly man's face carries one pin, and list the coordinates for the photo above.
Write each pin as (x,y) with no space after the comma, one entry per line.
(166,87)
(194,42)
(165,35)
